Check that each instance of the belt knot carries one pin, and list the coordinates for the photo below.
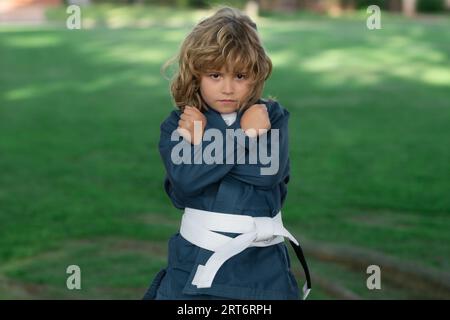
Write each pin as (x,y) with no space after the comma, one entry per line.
(264,228)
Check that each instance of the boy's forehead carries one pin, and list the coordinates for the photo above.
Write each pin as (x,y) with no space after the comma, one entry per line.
(225,63)
(222,69)
(225,69)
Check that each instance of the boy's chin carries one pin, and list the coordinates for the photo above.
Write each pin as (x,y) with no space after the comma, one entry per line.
(225,108)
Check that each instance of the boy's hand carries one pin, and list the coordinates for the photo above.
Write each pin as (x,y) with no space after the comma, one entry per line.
(186,122)
(257,118)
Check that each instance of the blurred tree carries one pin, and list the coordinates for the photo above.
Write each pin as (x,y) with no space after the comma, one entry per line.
(409,7)
(252,9)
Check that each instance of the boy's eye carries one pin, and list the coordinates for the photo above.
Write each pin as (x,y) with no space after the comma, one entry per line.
(239,76)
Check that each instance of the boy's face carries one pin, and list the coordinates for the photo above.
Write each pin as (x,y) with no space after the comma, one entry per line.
(223,90)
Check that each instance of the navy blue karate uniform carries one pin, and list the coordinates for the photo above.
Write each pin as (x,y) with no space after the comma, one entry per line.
(256,272)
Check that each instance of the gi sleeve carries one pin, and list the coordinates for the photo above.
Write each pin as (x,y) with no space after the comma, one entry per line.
(277,170)
(191,175)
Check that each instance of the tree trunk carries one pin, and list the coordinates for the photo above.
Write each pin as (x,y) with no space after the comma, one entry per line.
(409,7)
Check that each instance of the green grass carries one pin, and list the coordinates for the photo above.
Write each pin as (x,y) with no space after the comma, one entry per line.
(79,127)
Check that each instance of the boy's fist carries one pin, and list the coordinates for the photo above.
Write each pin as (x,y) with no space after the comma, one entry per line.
(190,130)
(257,118)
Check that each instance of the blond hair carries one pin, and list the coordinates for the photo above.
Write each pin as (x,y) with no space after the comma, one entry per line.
(228,38)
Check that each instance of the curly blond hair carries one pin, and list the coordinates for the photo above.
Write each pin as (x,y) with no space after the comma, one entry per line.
(228,38)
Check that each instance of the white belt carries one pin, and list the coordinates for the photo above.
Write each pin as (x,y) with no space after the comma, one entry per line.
(197,227)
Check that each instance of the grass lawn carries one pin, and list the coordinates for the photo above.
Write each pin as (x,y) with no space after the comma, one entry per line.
(81,177)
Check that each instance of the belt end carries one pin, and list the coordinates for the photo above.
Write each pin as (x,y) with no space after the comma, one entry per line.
(199,279)
(306,291)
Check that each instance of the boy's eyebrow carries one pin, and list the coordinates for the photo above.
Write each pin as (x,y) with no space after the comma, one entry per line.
(235,72)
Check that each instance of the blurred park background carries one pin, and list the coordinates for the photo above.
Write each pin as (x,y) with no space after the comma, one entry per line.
(81,181)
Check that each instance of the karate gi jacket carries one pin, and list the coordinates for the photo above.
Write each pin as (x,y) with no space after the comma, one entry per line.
(256,272)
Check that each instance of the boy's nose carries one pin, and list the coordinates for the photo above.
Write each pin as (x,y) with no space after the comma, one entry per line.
(227,87)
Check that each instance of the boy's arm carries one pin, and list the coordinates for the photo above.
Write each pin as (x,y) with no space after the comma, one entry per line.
(182,172)
(277,170)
